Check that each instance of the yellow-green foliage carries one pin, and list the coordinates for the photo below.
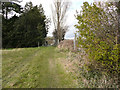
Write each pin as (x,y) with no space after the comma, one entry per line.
(97,33)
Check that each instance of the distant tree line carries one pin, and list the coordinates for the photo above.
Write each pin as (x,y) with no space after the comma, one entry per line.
(26,30)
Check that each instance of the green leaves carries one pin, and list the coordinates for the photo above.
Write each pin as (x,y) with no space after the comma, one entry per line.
(93,27)
(26,30)
(10,6)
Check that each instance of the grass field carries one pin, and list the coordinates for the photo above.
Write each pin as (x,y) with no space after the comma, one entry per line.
(34,68)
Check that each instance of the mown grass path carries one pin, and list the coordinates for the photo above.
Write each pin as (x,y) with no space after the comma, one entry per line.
(34,68)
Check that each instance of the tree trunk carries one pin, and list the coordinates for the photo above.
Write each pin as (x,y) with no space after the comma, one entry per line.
(6,12)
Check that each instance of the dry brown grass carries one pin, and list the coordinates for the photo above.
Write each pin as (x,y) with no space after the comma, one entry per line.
(89,73)
(66,44)
(77,63)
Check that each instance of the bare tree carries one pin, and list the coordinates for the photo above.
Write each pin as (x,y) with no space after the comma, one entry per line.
(117,4)
(59,10)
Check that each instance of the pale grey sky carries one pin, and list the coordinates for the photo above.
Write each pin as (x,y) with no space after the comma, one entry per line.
(71,21)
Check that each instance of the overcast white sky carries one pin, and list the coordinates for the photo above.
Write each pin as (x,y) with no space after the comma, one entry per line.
(71,21)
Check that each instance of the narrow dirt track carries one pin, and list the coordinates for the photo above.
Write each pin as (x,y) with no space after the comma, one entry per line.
(34,68)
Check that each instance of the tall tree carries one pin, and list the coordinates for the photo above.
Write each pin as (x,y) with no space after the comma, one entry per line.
(31,27)
(59,10)
(26,30)
(7,23)
(7,7)
(0,25)
(7,31)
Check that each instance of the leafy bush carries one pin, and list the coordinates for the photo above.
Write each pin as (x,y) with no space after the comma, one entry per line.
(97,33)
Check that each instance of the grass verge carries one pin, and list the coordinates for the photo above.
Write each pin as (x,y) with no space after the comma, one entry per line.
(34,68)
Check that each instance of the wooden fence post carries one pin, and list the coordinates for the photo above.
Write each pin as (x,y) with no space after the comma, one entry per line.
(38,44)
(75,42)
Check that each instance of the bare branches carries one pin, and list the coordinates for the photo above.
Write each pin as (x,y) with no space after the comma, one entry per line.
(59,10)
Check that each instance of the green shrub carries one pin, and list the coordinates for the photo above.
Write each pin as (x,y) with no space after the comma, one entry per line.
(98,36)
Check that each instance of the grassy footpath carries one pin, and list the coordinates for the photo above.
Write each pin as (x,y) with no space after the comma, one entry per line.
(34,68)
